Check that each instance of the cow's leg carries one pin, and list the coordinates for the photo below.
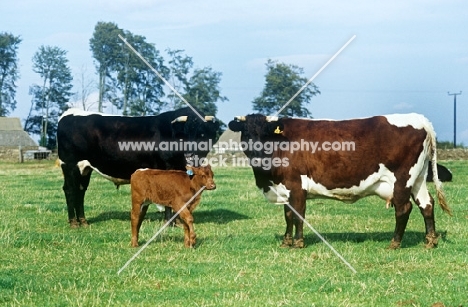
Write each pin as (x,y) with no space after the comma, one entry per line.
(84,183)
(425,203)
(287,240)
(403,209)
(71,190)
(429,221)
(298,202)
(189,231)
(137,215)
(168,214)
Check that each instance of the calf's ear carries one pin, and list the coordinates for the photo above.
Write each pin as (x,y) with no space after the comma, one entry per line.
(236,125)
(189,170)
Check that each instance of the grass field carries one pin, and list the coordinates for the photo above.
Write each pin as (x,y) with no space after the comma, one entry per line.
(237,261)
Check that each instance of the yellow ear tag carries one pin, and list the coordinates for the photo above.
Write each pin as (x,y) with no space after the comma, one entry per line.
(277,130)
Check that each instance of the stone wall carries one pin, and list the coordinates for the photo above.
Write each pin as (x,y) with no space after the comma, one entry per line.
(452,154)
(12,153)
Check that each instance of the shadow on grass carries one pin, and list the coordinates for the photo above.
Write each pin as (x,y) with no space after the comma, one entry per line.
(410,239)
(217,216)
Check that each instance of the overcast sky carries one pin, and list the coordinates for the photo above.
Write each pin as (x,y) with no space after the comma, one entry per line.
(405,58)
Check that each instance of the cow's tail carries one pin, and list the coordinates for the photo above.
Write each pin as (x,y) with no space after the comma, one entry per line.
(438,184)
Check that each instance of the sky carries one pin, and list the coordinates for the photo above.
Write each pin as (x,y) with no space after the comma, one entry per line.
(406,56)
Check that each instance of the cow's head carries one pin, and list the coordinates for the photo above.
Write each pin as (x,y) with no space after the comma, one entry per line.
(256,129)
(196,134)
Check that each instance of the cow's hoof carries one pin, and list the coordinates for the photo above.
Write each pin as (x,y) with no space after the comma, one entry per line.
(394,245)
(298,243)
(431,240)
(84,222)
(74,223)
(287,242)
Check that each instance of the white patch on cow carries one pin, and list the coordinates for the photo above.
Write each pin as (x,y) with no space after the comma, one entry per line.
(278,194)
(420,168)
(160,208)
(141,170)
(79,112)
(84,166)
(415,120)
(380,183)
(418,172)
(418,175)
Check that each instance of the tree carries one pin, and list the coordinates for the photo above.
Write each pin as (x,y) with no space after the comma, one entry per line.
(199,87)
(49,100)
(202,90)
(107,50)
(86,85)
(8,72)
(282,83)
(140,88)
(180,66)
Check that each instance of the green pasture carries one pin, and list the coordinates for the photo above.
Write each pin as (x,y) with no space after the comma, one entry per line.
(237,260)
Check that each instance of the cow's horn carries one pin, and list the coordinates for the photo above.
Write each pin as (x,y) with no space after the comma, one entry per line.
(240,118)
(180,119)
(272,118)
(209,118)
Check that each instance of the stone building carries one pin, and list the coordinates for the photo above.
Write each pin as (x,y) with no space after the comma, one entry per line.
(14,141)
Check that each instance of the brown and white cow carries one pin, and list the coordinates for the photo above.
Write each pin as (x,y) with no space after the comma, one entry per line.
(389,157)
(172,189)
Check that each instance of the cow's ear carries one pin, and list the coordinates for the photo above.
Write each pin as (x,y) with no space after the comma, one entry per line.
(236,125)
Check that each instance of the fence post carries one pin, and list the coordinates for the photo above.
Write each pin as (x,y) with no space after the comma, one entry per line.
(20,154)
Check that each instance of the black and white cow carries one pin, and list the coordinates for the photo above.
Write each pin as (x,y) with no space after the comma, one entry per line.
(93,141)
(444,173)
(389,157)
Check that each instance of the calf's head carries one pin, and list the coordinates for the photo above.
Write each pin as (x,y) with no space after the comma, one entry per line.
(201,176)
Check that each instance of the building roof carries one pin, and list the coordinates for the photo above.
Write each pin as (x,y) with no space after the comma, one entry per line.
(12,134)
(10,124)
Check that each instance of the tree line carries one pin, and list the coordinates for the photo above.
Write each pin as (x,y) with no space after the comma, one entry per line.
(129,85)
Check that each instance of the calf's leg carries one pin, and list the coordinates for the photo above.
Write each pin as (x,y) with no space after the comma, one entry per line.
(189,231)
(137,215)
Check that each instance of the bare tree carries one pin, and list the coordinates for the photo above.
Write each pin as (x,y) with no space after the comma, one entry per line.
(86,86)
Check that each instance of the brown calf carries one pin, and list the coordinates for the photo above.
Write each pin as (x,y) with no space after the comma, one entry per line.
(171,189)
